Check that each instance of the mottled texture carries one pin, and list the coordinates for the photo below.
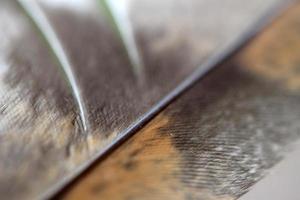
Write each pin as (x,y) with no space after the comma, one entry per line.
(220,137)
(37,115)
(178,38)
(42,142)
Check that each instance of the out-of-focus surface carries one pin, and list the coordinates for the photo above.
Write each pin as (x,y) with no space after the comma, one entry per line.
(218,139)
(282,182)
(42,140)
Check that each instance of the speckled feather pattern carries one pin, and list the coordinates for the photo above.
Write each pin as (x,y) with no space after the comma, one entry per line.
(220,137)
(41,137)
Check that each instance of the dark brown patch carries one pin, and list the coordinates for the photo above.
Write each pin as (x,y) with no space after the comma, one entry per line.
(41,141)
(222,135)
